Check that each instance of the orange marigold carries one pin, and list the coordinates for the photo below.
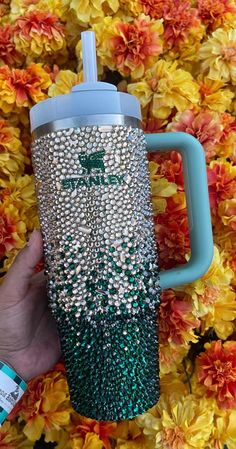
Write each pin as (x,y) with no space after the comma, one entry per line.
(205,126)
(215,13)
(173,232)
(135,45)
(39,33)
(12,229)
(8,53)
(170,166)
(81,426)
(22,87)
(176,321)
(216,370)
(221,182)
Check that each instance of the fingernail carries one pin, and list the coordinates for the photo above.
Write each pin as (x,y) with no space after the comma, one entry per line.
(32,237)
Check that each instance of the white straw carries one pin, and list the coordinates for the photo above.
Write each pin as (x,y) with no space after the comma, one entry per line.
(89,56)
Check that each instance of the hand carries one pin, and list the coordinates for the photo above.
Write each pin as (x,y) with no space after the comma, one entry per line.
(29,341)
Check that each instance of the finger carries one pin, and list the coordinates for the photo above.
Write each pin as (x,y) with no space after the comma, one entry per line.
(20,273)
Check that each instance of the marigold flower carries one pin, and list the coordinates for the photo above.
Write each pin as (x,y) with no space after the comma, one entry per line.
(90,11)
(22,87)
(218,55)
(179,421)
(38,34)
(221,316)
(12,153)
(80,427)
(169,165)
(12,229)
(205,126)
(45,406)
(221,182)
(173,233)
(64,81)
(225,238)
(227,212)
(8,53)
(226,146)
(166,87)
(210,287)
(11,437)
(129,47)
(216,368)
(214,94)
(171,356)
(176,321)
(214,13)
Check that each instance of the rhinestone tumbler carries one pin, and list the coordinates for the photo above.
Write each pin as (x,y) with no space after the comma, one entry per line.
(91,174)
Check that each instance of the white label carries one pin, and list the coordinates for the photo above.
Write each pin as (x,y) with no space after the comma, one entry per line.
(10,392)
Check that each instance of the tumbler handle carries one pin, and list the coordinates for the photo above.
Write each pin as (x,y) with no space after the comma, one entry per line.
(199,218)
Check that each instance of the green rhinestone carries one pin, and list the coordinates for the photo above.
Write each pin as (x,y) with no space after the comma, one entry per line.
(102,265)
(81,250)
(110,258)
(133,292)
(135,304)
(62,255)
(128,260)
(100,253)
(69,238)
(67,247)
(113,291)
(72,266)
(131,250)
(112,309)
(112,250)
(131,279)
(127,272)
(74,278)
(109,275)
(124,245)
(126,295)
(118,269)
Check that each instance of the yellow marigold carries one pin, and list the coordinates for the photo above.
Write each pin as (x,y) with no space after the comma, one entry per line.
(65,80)
(20,192)
(224,430)
(90,11)
(227,212)
(226,240)
(206,290)
(179,422)
(161,188)
(140,442)
(58,8)
(218,55)
(12,153)
(221,315)
(214,94)
(167,87)
(174,383)
(45,407)
(11,437)
(39,34)
(171,356)
(22,87)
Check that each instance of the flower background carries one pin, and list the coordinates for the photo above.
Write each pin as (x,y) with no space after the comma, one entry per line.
(179,58)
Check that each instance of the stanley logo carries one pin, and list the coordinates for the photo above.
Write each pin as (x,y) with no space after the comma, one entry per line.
(94,173)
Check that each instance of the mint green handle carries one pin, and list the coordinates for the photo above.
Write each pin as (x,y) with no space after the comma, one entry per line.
(199,217)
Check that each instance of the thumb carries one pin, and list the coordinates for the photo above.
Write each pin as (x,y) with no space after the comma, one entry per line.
(21,271)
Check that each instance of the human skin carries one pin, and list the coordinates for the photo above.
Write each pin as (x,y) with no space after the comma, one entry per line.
(29,342)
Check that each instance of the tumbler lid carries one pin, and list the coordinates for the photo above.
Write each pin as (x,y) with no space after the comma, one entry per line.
(89,98)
